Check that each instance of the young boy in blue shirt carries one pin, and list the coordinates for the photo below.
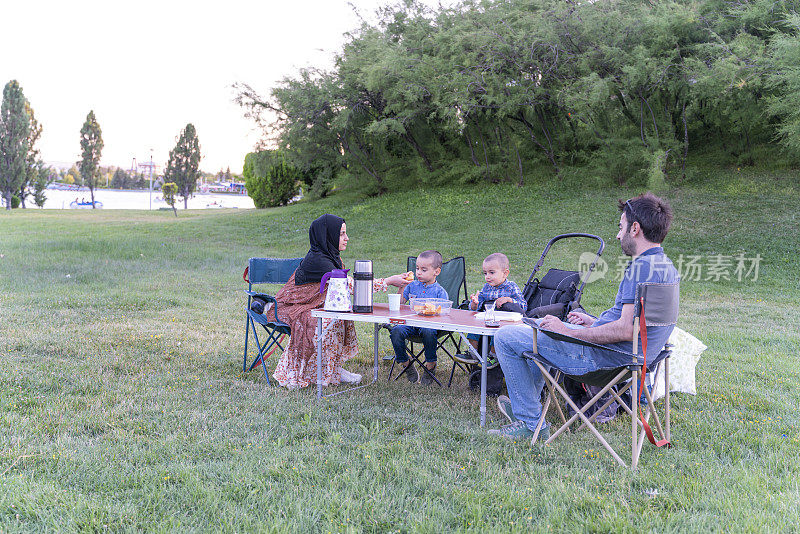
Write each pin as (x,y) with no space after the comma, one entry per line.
(429,266)
(498,288)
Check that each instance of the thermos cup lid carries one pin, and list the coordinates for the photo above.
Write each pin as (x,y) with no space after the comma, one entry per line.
(363,266)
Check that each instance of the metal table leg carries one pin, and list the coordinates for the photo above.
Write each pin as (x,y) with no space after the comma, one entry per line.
(485,363)
(374,369)
(375,346)
(319,358)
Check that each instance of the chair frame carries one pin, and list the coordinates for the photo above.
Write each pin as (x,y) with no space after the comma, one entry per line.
(640,429)
(276,329)
(414,354)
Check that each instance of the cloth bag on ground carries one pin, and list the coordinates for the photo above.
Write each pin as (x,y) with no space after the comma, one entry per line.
(686,351)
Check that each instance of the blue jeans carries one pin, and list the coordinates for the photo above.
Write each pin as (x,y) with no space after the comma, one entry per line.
(400,333)
(523,378)
(477,337)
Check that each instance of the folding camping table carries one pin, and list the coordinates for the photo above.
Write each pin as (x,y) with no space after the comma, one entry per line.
(457,321)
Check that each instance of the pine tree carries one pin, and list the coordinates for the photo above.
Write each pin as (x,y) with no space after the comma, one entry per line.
(184,163)
(91,148)
(14,130)
(34,165)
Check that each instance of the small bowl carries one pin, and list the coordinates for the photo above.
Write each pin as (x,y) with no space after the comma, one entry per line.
(430,307)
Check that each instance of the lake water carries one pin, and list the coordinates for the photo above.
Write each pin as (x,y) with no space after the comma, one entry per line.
(141,200)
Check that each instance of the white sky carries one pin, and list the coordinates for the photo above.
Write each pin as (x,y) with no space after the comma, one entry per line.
(147,68)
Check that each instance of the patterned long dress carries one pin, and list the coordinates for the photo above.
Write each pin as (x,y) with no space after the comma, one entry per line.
(297,367)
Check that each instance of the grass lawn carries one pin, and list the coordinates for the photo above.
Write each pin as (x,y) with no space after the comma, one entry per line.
(123,405)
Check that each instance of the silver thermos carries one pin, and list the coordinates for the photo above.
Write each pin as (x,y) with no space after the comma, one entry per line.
(362,290)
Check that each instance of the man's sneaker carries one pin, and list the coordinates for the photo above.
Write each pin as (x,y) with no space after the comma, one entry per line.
(492,361)
(504,403)
(411,373)
(519,431)
(516,431)
(425,379)
(544,435)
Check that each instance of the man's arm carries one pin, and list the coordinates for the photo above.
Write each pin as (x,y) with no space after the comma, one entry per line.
(613,332)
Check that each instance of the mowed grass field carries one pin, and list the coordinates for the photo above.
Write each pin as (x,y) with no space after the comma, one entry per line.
(123,406)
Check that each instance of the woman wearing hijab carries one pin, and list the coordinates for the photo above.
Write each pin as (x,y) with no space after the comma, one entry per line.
(297,367)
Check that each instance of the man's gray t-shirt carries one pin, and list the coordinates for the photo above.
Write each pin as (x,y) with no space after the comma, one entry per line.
(652,265)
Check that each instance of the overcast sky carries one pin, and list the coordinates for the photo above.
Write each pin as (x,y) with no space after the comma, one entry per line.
(147,68)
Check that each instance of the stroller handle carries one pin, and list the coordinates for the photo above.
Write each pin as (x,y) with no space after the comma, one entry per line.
(575,234)
(600,249)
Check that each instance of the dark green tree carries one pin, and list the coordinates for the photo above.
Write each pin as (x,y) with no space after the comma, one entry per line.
(44,177)
(785,105)
(91,149)
(184,163)
(14,135)
(269,178)
(120,179)
(33,163)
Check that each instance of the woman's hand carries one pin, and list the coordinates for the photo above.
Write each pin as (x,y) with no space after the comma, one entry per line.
(398,280)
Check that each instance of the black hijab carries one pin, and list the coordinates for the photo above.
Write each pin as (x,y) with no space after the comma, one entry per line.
(323,256)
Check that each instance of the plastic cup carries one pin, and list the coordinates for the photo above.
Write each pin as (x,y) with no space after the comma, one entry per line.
(394,301)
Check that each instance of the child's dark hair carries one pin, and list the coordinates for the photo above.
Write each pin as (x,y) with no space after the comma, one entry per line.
(499,258)
(434,257)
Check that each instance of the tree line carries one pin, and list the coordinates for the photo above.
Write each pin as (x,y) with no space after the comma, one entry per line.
(492,90)
(23,173)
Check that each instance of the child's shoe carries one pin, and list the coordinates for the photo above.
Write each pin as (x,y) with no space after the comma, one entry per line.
(411,373)
(427,379)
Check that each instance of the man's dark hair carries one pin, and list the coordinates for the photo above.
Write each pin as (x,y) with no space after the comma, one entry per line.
(434,257)
(653,214)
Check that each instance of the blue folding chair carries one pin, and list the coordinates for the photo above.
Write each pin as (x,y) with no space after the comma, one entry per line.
(262,308)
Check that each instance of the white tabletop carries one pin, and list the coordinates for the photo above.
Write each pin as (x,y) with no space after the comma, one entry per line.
(455,321)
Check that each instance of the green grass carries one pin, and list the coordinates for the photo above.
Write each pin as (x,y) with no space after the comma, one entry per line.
(123,405)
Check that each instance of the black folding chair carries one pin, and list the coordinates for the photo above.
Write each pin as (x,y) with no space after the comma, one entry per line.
(453,279)
(262,308)
(656,305)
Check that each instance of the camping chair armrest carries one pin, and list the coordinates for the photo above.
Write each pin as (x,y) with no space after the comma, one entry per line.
(257,294)
(569,339)
(272,302)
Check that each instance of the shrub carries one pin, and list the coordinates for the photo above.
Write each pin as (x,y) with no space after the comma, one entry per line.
(270,180)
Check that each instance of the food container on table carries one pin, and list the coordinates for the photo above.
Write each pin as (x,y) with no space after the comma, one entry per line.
(430,306)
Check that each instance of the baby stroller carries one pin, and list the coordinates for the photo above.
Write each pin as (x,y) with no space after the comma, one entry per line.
(557,293)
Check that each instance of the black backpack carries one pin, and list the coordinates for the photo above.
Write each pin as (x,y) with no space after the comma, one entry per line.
(495,381)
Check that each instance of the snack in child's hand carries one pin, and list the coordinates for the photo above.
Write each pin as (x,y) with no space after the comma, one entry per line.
(409,276)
